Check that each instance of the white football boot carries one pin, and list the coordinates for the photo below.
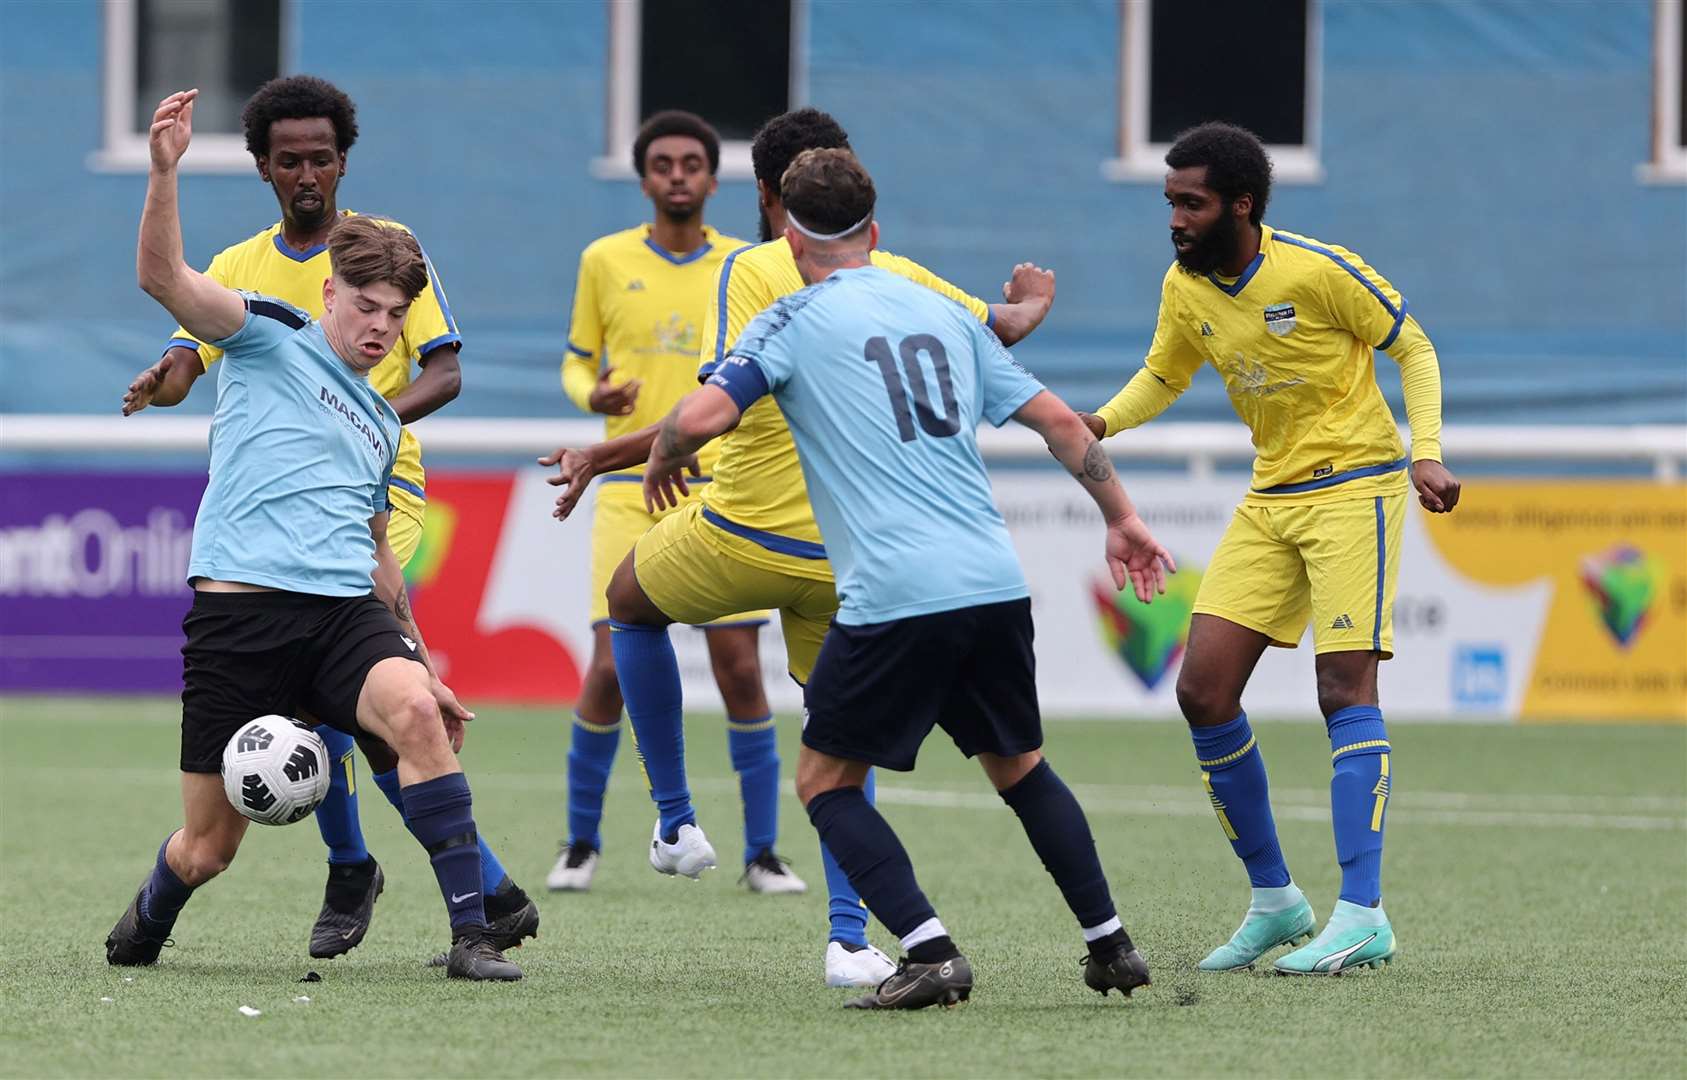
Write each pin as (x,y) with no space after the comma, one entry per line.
(864,967)
(574,868)
(688,856)
(768,873)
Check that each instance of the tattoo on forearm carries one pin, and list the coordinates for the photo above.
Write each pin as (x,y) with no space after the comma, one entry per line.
(401,606)
(1096,467)
(667,440)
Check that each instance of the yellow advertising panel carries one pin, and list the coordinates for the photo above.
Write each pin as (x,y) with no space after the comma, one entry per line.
(1613,645)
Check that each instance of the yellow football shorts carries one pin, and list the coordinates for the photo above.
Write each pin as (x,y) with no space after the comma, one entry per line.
(1334,563)
(617,523)
(404,524)
(694,580)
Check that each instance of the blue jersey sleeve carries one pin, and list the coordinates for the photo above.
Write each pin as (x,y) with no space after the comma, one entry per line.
(268,323)
(1004,385)
(742,379)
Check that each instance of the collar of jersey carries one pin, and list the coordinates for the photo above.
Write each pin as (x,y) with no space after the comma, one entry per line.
(1248,274)
(680,260)
(298,256)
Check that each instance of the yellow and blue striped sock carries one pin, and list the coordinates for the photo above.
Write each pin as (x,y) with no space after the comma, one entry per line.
(1234,774)
(1359,799)
(337,817)
(754,747)
(591,755)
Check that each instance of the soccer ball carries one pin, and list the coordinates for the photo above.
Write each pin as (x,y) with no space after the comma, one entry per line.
(275,770)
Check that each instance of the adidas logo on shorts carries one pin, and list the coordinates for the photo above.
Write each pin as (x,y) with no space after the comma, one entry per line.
(1342,623)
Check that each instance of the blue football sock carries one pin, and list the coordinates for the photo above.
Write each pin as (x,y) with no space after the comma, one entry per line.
(491,870)
(870,854)
(337,817)
(439,813)
(845,911)
(754,746)
(1061,836)
(164,894)
(1359,799)
(649,676)
(591,754)
(1234,774)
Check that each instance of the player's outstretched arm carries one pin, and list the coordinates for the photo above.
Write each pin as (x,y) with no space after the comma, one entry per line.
(391,591)
(204,308)
(1132,552)
(576,468)
(706,413)
(165,383)
(1142,399)
(1027,296)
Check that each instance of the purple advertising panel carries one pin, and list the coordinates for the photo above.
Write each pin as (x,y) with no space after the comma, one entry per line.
(93,579)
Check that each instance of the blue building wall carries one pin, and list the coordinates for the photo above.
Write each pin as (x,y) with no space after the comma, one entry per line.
(1482,155)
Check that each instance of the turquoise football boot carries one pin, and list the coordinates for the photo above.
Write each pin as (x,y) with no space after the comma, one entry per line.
(1356,937)
(1290,919)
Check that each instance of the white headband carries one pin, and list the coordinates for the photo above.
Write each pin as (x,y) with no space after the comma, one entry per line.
(791,220)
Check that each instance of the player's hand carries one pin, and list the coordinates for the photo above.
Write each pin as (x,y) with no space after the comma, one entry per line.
(1029,282)
(613,400)
(664,482)
(146,384)
(1097,426)
(172,129)
(575,469)
(1438,488)
(452,711)
(1134,555)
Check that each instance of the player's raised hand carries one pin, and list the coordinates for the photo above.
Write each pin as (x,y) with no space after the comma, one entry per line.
(1438,488)
(139,394)
(172,129)
(453,713)
(1029,282)
(611,400)
(1134,555)
(575,469)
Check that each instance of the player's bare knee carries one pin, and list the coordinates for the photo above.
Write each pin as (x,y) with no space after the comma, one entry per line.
(1202,704)
(413,718)
(738,675)
(203,858)
(818,774)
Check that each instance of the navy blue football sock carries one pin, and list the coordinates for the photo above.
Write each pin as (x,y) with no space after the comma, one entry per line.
(754,746)
(491,870)
(439,813)
(649,675)
(164,893)
(1061,836)
(846,912)
(337,817)
(867,849)
(1234,774)
(591,756)
(1359,799)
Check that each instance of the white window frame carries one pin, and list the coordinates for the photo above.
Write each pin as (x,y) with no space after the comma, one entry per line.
(1141,161)
(1669,156)
(621,121)
(125,149)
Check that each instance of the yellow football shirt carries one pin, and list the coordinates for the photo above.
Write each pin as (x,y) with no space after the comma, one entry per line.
(638,309)
(1295,339)
(265,264)
(758,500)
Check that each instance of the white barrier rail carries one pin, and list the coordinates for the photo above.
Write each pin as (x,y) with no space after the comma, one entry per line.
(1203,446)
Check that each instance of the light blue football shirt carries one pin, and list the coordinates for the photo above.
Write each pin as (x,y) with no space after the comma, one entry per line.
(883,383)
(301,450)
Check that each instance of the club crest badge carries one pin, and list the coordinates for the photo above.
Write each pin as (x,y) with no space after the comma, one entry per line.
(1280,319)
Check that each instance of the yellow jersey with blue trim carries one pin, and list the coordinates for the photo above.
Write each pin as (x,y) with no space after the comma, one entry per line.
(1295,338)
(758,502)
(265,264)
(639,308)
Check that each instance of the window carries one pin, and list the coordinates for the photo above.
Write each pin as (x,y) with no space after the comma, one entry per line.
(1269,54)
(227,48)
(666,54)
(1669,95)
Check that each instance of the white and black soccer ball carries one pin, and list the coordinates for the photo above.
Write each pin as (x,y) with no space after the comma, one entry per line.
(275,770)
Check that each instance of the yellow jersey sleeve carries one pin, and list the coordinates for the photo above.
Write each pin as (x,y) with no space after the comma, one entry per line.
(585,334)
(1174,355)
(1361,301)
(429,324)
(218,271)
(740,294)
(919,275)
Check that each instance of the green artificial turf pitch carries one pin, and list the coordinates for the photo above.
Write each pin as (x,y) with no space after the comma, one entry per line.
(1536,876)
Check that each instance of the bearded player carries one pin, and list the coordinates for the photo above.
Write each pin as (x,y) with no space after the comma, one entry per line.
(1293,325)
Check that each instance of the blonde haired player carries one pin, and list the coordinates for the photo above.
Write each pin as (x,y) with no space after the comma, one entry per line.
(639,300)
(299,130)
(1293,325)
(751,539)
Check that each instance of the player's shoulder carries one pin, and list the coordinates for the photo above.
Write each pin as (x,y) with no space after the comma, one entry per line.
(264,306)
(1298,248)
(721,245)
(614,245)
(760,258)
(382,220)
(760,272)
(252,250)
